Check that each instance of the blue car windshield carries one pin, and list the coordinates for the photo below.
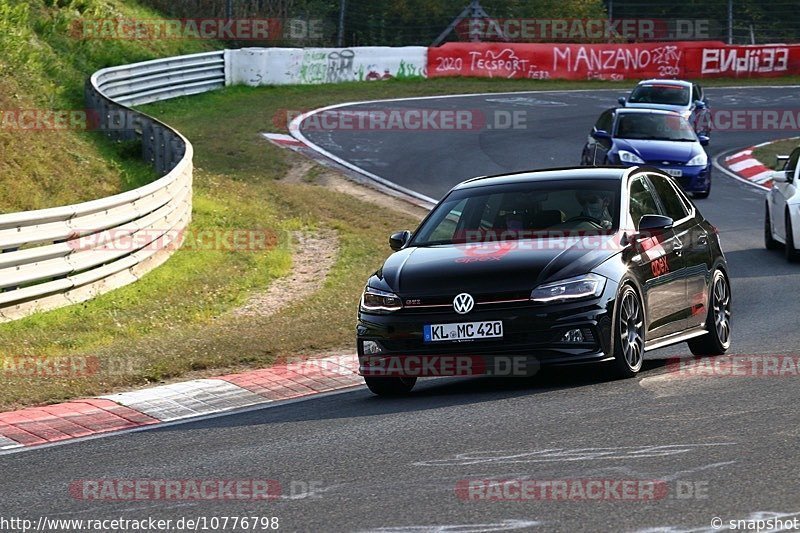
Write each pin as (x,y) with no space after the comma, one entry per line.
(654,126)
(660,94)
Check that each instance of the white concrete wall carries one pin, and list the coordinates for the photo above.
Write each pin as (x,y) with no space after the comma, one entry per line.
(284,66)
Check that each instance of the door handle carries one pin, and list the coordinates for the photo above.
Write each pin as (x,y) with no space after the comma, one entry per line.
(677,247)
(702,239)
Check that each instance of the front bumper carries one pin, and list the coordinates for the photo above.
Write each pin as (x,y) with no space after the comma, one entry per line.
(532,337)
(693,179)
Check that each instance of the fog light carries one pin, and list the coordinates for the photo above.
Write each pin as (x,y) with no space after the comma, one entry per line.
(371,348)
(573,335)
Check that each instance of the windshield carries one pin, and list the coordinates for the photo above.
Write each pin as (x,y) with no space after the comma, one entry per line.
(522,211)
(660,94)
(654,126)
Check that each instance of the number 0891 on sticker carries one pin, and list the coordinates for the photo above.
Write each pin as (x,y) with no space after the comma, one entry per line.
(463,331)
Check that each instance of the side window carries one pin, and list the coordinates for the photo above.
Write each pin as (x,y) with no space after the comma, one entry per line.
(642,201)
(673,206)
(605,121)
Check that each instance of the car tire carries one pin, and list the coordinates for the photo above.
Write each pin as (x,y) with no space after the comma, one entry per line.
(629,334)
(718,320)
(769,242)
(390,386)
(791,252)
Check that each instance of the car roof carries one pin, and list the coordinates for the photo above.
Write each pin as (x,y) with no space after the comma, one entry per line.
(656,81)
(617,173)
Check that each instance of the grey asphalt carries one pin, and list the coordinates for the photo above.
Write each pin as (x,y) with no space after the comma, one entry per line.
(725,447)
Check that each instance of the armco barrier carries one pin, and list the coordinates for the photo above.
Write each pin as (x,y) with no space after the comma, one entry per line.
(59,256)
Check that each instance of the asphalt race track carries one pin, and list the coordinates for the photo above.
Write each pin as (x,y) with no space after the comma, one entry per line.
(724,447)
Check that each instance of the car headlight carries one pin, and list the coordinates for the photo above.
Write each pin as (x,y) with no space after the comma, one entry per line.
(585,286)
(378,301)
(628,157)
(699,160)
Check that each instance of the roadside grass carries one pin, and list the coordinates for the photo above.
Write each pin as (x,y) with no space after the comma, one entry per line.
(766,154)
(176,321)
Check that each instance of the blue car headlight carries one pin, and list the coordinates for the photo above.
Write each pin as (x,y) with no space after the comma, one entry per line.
(629,157)
(700,160)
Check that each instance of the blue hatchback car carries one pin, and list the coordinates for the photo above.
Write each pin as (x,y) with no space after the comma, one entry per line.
(663,139)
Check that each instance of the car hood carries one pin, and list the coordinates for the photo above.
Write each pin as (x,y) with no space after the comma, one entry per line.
(665,107)
(659,150)
(492,267)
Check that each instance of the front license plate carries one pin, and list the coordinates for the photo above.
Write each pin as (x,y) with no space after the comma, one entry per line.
(463,331)
(676,172)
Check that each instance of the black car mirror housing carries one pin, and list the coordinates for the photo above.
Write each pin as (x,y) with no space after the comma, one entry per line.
(399,239)
(653,224)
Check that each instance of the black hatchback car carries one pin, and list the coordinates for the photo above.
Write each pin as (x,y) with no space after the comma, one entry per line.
(559,266)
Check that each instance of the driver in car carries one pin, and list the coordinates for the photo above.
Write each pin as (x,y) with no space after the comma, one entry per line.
(595,207)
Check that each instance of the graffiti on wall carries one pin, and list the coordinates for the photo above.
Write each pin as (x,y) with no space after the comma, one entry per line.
(333,66)
(613,62)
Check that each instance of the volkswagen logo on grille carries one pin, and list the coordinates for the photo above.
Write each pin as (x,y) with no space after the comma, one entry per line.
(463,303)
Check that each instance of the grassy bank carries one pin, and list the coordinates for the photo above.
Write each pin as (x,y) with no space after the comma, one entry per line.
(43,66)
(766,154)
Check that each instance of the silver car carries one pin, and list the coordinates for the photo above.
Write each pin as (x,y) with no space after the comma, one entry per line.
(683,97)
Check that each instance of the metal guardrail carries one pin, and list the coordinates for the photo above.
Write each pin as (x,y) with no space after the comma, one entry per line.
(60,256)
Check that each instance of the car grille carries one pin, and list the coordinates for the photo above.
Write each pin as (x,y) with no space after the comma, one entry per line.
(511,342)
(444,304)
(666,163)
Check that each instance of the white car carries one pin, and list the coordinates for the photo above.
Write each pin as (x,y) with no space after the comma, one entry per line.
(782,219)
(683,97)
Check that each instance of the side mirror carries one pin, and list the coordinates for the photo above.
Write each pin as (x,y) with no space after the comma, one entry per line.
(399,239)
(601,134)
(780,160)
(779,176)
(652,224)
(699,104)
(621,101)
(704,140)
